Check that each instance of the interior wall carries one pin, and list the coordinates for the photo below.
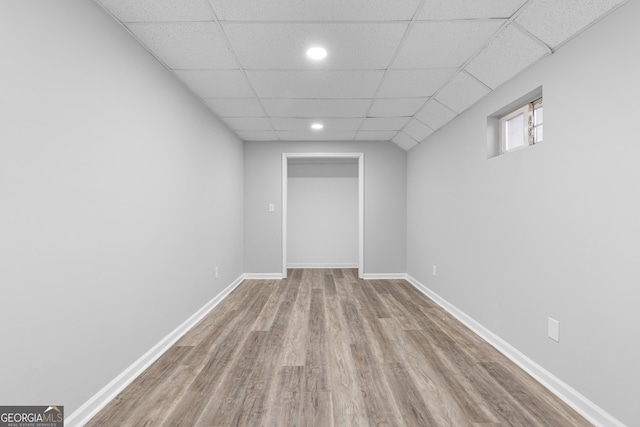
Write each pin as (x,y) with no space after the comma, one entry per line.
(384,203)
(551,230)
(119,195)
(322,214)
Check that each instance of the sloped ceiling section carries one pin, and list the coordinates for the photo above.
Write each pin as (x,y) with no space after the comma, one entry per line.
(396,70)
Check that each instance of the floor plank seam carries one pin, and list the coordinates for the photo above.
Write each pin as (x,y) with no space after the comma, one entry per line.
(324,348)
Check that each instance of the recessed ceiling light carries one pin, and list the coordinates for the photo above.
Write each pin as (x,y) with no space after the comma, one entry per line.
(316,53)
(317,126)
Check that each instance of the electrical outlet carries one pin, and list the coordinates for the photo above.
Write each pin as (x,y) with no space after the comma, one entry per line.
(216,273)
(435,271)
(553,329)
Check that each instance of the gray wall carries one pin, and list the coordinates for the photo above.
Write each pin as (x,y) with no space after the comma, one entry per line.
(551,230)
(119,195)
(385,203)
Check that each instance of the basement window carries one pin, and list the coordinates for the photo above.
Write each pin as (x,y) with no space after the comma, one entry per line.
(516,125)
(522,127)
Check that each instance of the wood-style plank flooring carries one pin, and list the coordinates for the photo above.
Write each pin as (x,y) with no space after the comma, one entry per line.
(324,348)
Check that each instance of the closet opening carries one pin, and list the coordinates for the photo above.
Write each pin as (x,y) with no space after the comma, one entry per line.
(323,211)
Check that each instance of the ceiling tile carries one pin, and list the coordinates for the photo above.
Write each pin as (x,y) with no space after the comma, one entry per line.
(373,135)
(396,107)
(384,123)
(235,107)
(462,92)
(362,37)
(315,83)
(507,54)
(248,123)
(435,115)
(159,10)
(413,83)
(417,130)
(281,46)
(330,125)
(554,21)
(216,83)
(278,107)
(316,136)
(444,44)
(186,45)
(257,135)
(404,141)
(313,10)
(465,9)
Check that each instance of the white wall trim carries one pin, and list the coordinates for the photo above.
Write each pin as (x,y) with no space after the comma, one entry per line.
(566,393)
(384,276)
(263,276)
(322,265)
(91,407)
(592,412)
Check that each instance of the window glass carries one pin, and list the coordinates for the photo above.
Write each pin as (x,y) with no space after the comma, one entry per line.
(522,127)
(517,125)
(515,130)
(537,120)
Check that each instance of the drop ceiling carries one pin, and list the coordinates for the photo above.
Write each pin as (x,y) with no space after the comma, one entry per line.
(396,70)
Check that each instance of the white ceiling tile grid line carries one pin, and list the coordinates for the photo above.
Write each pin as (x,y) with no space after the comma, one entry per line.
(393,60)
(557,22)
(412,65)
(244,73)
(186,45)
(235,107)
(417,130)
(404,141)
(175,4)
(434,114)
(444,44)
(159,10)
(463,9)
(533,37)
(489,80)
(366,135)
(518,7)
(461,92)
(313,10)
(509,53)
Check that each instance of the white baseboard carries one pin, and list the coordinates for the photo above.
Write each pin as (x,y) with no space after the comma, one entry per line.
(263,276)
(322,265)
(99,400)
(573,398)
(384,276)
(592,412)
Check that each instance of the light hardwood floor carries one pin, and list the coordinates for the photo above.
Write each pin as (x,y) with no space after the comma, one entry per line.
(323,348)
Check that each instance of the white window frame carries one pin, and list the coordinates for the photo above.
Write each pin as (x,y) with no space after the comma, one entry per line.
(528,128)
(535,105)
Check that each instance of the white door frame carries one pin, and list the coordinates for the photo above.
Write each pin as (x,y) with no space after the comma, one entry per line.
(285,176)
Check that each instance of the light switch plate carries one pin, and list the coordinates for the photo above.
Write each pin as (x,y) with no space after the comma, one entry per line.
(554,329)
